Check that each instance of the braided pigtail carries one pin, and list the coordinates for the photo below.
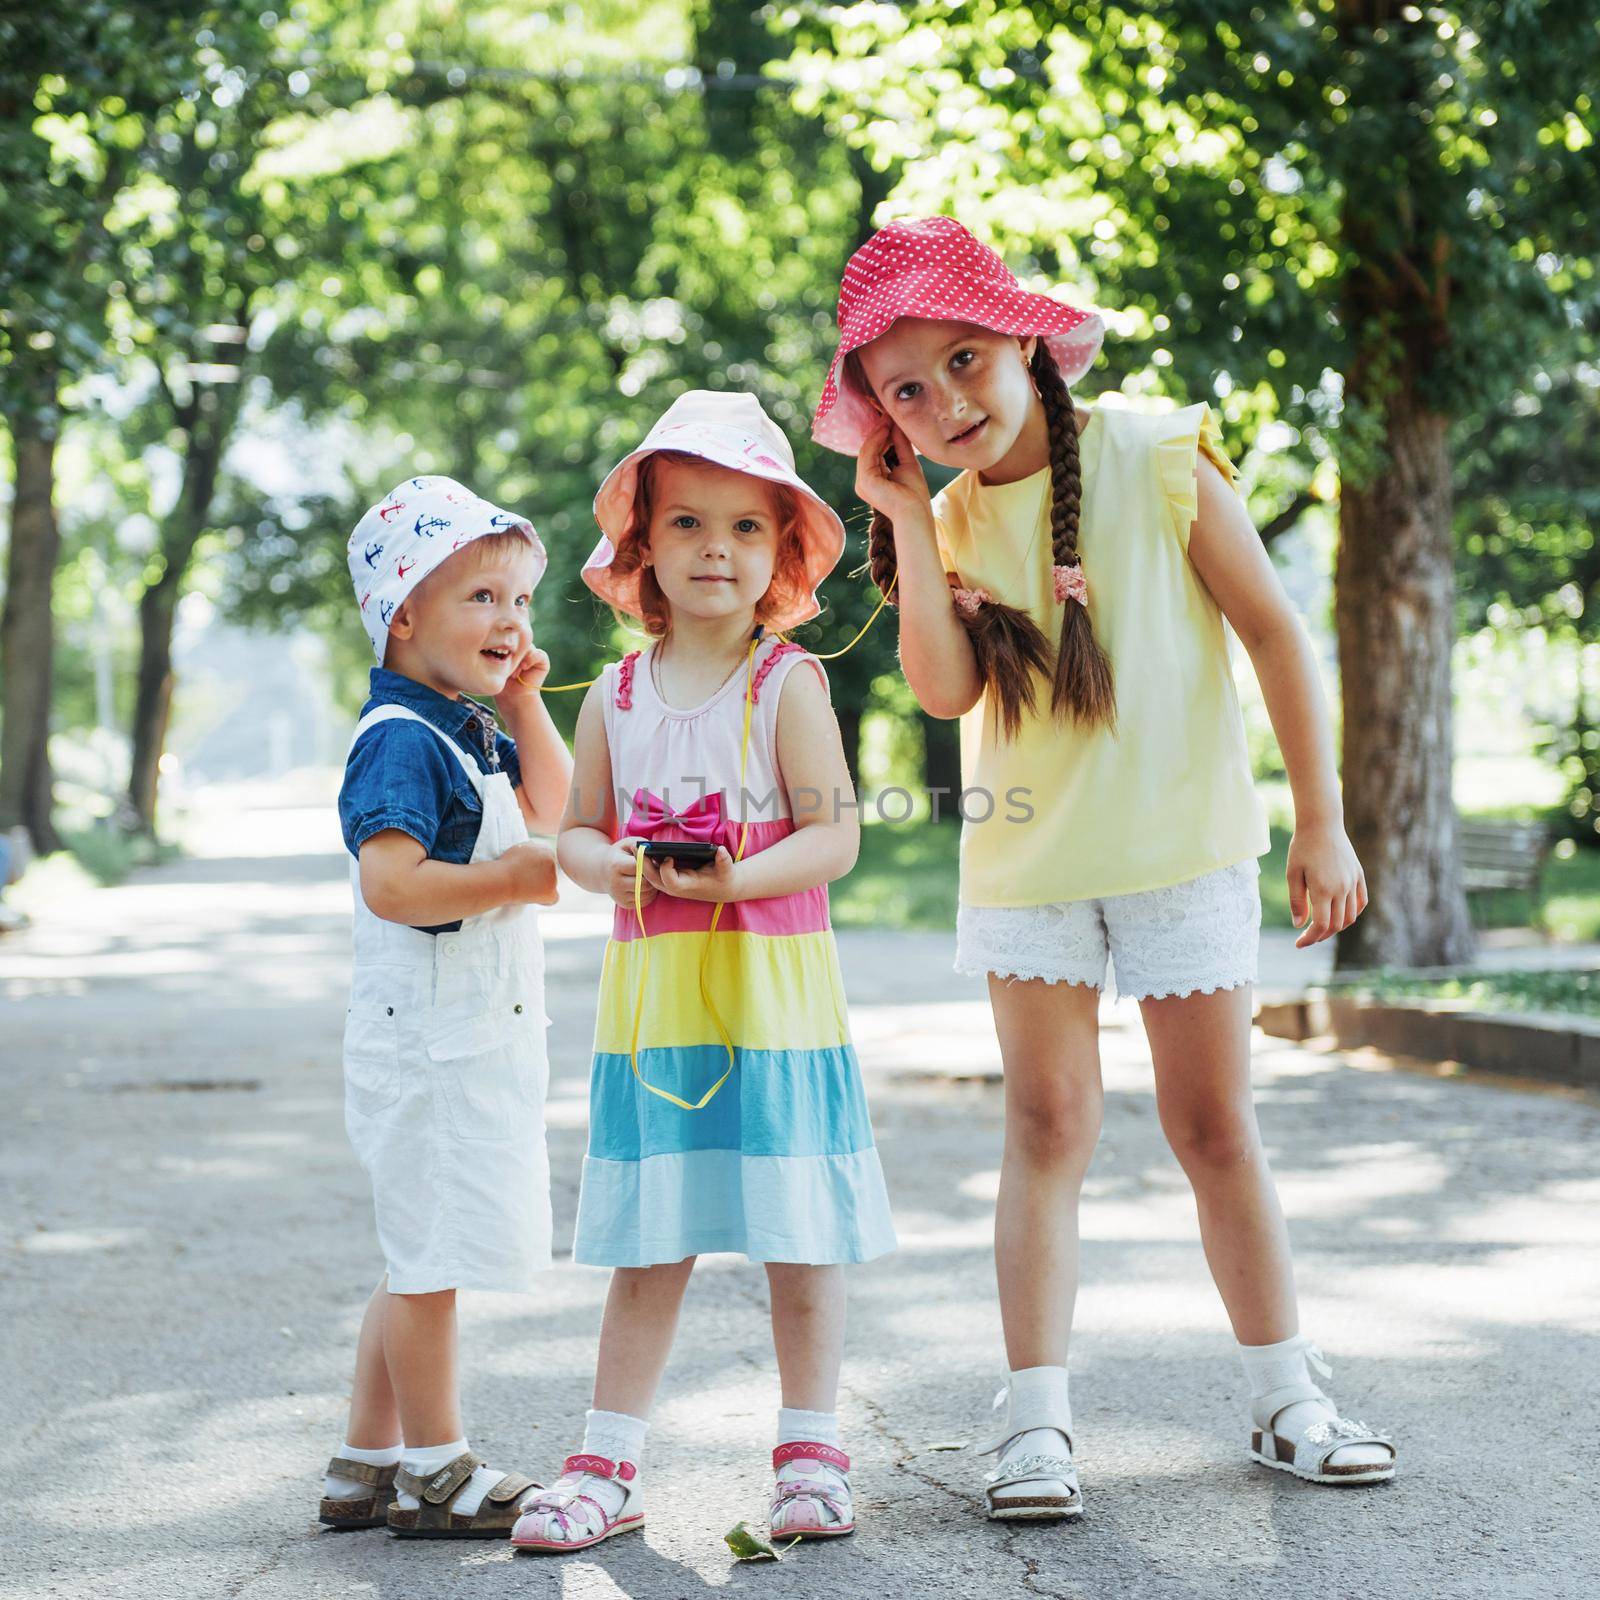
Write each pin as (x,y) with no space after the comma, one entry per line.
(1082,686)
(1007,644)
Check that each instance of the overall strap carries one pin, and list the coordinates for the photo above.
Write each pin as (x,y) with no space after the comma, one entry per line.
(393,713)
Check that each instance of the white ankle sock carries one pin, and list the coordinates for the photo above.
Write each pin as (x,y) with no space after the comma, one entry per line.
(807,1427)
(1276,1366)
(1035,1392)
(618,1437)
(343,1488)
(427,1459)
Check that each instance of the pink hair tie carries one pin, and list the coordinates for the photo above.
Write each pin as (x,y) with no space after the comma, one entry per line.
(967,601)
(1071,585)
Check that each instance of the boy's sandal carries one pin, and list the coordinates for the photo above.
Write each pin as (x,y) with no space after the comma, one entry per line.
(434,1518)
(563,1518)
(811,1499)
(1307,1456)
(367,1512)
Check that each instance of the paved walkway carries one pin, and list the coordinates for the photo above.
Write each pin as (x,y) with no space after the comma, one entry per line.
(187,1244)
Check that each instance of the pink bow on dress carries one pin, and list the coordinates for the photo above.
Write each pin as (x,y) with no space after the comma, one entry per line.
(702,821)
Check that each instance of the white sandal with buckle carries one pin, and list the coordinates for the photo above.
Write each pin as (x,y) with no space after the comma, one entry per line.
(811,1493)
(1309,1454)
(565,1517)
(1048,1478)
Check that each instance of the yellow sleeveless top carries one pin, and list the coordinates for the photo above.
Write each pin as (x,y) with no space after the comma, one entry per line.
(1061,813)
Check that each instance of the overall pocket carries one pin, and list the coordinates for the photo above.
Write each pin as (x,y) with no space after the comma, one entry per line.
(372,1070)
(485,1069)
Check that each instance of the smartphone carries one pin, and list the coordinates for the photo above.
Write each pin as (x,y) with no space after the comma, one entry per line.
(681,852)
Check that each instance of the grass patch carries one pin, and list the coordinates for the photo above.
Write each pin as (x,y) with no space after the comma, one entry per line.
(1573,992)
(905,877)
(108,854)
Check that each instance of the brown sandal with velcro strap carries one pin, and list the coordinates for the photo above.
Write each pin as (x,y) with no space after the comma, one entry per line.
(434,1519)
(368,1512)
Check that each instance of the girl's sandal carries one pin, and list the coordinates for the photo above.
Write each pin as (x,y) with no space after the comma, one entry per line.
(811,1499)
(1040,1469)
(1052,1472)
(1307,1456)
(563,1518)
(434,1518)
(368,1512)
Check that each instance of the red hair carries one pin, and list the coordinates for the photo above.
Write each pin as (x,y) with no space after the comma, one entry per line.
(790,580)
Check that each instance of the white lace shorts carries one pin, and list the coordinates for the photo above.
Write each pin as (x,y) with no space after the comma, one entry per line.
(1200,935)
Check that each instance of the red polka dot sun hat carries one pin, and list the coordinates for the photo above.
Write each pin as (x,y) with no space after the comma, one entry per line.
(933,267)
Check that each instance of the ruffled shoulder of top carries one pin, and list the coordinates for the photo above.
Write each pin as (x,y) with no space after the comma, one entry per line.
(1180,439)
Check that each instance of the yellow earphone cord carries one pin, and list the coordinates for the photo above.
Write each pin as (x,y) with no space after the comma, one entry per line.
(716,916)
(832,655)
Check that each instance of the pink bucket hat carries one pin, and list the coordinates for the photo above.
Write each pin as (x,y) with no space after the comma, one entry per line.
(416,527)
(934,268)
(728,430)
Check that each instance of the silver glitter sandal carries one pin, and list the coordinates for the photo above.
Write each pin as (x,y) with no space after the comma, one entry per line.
(1052,1472)
(1308,1455)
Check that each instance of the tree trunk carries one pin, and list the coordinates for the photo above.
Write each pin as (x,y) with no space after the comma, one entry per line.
(152,706)
(1395,608)
(27,636)
(941,766)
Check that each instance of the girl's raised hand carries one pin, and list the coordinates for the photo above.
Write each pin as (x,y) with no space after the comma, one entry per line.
(902,494)
(711,882)
(1327,888)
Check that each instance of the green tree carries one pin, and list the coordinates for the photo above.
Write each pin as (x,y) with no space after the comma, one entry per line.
(561,228)
(77,94)
(1353,217)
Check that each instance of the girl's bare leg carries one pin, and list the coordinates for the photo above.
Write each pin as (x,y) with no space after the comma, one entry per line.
(1050,1047)
(808,1312)
(1200,1045)
(636,1334)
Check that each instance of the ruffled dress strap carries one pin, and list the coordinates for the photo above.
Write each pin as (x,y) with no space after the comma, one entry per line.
(1181,438)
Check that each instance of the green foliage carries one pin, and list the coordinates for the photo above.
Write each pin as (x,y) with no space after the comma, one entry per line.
(1577,993)
(605,240)
(1264,199)
(1527,511)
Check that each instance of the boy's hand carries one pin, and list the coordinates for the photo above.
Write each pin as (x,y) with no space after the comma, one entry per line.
(620,873)
(532,870)
(714,881)
(526,680)
(1327,888)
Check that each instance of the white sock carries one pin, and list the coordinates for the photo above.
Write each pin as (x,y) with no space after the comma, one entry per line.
(343,1488)
(807,1427)
(1036,1391)
(1276,1366)
(618,1437)
(427,1459)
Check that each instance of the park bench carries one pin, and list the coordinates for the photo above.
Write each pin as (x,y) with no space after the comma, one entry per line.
(1504,858)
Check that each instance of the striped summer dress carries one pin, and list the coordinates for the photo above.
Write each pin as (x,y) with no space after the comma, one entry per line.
(781,1164)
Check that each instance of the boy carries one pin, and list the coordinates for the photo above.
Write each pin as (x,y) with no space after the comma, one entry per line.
(444,1054)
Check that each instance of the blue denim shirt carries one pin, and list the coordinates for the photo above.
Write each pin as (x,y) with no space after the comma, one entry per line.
(399,775)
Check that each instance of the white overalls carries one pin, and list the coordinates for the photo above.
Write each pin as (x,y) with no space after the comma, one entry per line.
(445,1070)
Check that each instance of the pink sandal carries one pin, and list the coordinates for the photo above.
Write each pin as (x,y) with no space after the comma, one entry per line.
(812,1496)
(563,1517)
